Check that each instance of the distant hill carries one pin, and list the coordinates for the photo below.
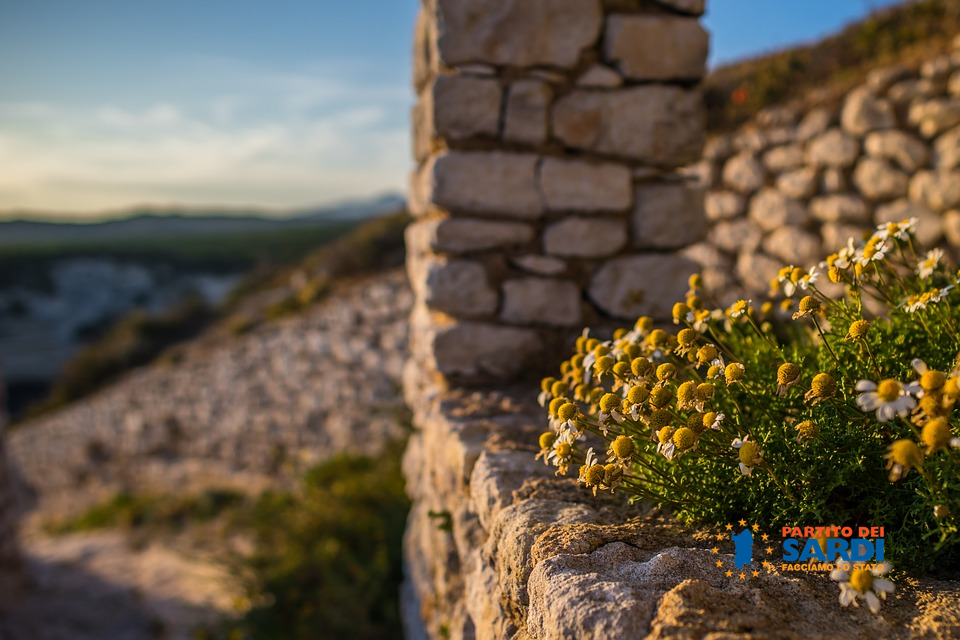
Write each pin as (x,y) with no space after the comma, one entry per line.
(183,224)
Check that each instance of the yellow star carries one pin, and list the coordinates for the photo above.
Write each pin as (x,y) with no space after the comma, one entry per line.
(765,537)
(755,527)
(743,523)
(729,574)
(719,563)
(767,564)
(715,550)
(729,527)
(743,576)
(720,536)
(769,549)
(756,573)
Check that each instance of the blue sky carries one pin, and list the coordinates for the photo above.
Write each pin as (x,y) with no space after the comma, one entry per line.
(110,103)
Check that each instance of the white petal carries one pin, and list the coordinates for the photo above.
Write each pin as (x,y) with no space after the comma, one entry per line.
(873,602)
(866,385)
(883,586)
(869,401)
(886,412)
(847,596)
(839,575)
(919,366)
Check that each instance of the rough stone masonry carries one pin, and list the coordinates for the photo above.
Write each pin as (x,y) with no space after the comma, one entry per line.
(547,134)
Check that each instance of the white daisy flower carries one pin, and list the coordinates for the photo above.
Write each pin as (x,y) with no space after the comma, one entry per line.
(749,454)
(928,265)
(860,583)
(889,398)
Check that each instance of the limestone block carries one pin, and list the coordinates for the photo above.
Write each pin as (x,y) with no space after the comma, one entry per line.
(951,227)
(526,117)
(877,180)
(834,181)
(864,112)
(845,207)
(718,148)
(496,183)
(424,50)
(793,246)
(520,33)
(584,237)
(420,190)
(836,234)
(655,124)
(833,148)
(933,117)
(723,205)
(458,287)
(632,286)
(599,76)
(693,7)
(541,265)
(929,230)
(703,174)
(771,209)
(656,46)
(744,173)
(545,301)
(816,122)
(881,79)
(947,150)
(668,216)
(756,270)
(800,184)
(482,70)
(939,190)
(784,158)
(465,106)
(462,235)
(937,69)
(734,236)
(475,351)
(577,185)
(953,85)
(779,117)
(909,153)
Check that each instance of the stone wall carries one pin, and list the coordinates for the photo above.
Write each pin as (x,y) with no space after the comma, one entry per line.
(794,184)
(547,134)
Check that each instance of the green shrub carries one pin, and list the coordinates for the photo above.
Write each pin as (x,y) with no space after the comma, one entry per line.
(817,413)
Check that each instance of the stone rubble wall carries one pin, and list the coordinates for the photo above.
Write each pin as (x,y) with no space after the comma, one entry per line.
(792,186)
(547,134)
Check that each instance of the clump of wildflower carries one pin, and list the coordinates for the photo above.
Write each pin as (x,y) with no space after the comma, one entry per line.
(902,456)
(822,387)
(859,583)
(749,454)
(889,398)
(787,376)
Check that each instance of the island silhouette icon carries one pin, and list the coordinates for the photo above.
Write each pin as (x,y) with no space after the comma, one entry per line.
(743,553)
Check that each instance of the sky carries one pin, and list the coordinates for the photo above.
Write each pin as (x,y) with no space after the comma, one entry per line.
(106,104)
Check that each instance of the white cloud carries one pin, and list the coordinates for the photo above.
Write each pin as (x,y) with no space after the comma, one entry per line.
(279,140)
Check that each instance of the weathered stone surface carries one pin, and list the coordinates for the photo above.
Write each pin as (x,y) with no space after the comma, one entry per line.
(458,287)
(716,269)
(703,174)
(864,112)
(486,182)
(735,236)
(951,227)
(939,190)
(585,237)
(816,121)
(835,235)
(544,301)
(744,173)
(599,76)
(668,216)
(799,184)
(462,235)
(933,117)
(833,149)
(834,181)
(656,124)
(526,120)
(520,33)
(909,153)
(624,287)
(723,205)
(953,85)
(577,185)
(693,7)
(784,158)
(756,270)
(656,46)
(881,79)
(463,106)
(937,69)
(771,209)
(845,207)
(542,265)
(929,230)
(793,246)
(877,180)
(424,50)
(906,91)
(947,150)
(477,69)
(718,148)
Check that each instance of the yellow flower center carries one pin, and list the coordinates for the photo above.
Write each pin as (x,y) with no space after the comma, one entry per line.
(808,429)
(665,434)
(931,380)
(621,369)
(659,418)
(547,438)
(687,337)
(641,367)
(809,304)
(707,353)
(708,419)
(559,388)
(660,396)
(555,405)
(623,447)
(680,311)
(637,394)
(788,373)
(734,372)
(604,363)
(686,393)
(861,580)
(594,474)
(905,453)
(666,371)
(684,438)
(657,337)
(858,329)
(823,385)
(567,411)
(748,453)
(889,390)
(609,402)
(705,391)
(936,434)
(564,450)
